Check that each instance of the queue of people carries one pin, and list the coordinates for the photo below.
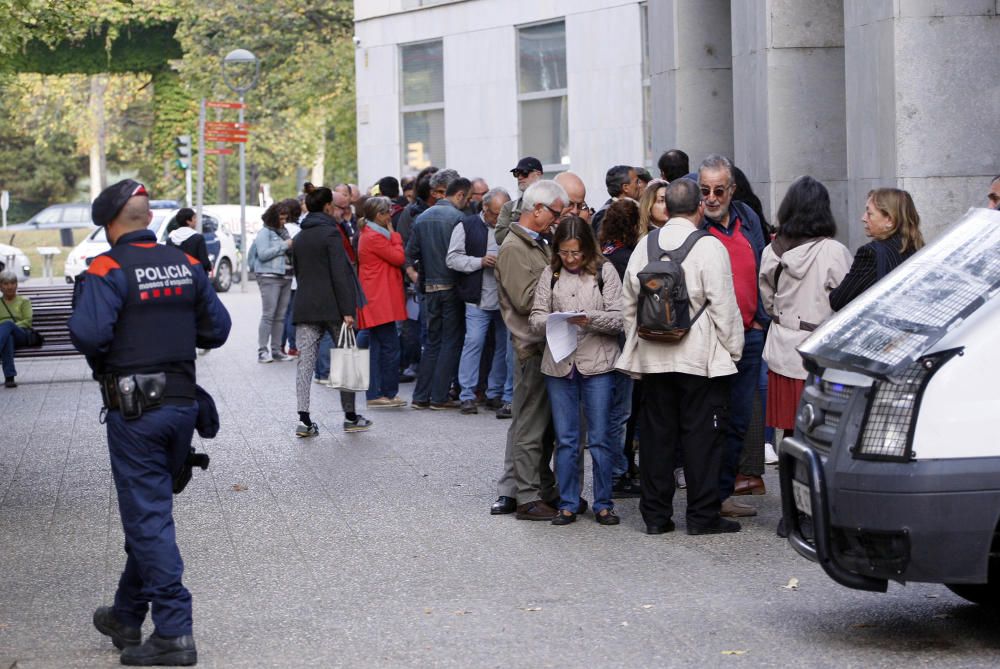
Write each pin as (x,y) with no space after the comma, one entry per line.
(454,285)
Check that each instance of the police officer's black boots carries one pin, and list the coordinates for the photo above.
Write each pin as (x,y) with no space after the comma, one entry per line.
(121,635)
(178,651)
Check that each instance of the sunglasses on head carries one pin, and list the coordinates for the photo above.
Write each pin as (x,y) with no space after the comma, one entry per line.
(718,191)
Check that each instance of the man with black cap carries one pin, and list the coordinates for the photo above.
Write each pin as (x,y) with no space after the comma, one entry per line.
(527,171)
(138,293)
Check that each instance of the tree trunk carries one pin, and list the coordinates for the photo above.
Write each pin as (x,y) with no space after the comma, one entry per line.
(98,135)
(319,167)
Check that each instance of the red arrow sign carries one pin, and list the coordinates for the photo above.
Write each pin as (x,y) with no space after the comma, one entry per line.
(219,137)
(225,105)
(218,152)
(222,126)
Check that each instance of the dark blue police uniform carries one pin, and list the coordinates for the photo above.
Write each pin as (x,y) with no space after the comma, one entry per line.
(143,308)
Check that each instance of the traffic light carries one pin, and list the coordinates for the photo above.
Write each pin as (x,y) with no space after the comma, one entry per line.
(183,150)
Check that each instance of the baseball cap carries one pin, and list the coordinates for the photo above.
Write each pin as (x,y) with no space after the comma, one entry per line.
(528,164)
(111,200)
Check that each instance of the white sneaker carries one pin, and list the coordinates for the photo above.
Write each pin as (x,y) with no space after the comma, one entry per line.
(278,356)
(325,381)
(770,456)
(679,478)
(264,357)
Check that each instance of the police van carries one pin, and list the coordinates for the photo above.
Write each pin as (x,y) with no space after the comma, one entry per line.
(893,472)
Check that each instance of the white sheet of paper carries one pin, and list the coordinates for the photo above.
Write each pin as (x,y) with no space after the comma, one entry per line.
(560,334)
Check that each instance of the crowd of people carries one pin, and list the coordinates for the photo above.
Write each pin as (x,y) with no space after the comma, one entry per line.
(454,285)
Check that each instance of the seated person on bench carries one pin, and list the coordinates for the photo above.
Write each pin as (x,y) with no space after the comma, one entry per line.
(15,316)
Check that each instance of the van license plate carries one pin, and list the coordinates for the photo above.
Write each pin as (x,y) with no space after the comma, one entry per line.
(803,500)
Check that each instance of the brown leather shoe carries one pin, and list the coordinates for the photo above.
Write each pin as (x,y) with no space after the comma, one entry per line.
(537,510)
(749,485)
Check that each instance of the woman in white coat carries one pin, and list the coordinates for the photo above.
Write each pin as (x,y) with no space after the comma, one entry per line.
(797,272)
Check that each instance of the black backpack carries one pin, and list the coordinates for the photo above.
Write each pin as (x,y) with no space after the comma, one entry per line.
(664,309)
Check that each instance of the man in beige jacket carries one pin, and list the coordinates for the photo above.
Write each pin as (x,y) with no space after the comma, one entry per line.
(524,253)
(685,384)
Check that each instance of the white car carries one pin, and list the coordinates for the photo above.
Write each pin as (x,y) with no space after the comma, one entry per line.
(15,260)
(221,247)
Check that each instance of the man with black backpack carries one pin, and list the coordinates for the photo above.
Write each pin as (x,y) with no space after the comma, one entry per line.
(683,337)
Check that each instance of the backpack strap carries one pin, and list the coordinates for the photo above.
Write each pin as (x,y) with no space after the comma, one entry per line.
(653,250)
(681,252)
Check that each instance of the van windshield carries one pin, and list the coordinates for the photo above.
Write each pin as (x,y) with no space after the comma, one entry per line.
(900,318)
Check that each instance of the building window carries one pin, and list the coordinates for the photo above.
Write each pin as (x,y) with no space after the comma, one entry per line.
(647,100)
(422,108)
(542,99)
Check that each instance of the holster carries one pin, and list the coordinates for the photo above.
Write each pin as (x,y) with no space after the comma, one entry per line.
(132,394)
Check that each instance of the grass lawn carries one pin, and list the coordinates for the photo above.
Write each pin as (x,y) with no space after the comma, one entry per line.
(29,241)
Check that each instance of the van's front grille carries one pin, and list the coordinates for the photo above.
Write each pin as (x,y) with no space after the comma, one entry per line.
(820,410)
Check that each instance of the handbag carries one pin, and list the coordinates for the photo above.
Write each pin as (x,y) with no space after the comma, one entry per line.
(349,364)
(35,338)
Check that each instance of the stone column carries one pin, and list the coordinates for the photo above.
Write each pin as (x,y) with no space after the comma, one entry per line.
(691,77)
(923,104)
(788,98)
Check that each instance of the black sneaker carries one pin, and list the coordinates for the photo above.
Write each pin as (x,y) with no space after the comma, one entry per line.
(468,407)
(121,635)
(178,651)
(359,424)
(504,411)
(624,488)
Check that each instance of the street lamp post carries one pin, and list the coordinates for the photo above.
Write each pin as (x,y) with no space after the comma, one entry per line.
(241,60)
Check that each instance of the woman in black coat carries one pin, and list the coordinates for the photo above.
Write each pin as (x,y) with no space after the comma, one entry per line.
(891,220)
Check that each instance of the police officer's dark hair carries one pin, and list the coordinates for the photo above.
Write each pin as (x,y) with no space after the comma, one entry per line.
(318,198)
(460,185)
(683,197)
(617,177)
(673,164)
(389,187)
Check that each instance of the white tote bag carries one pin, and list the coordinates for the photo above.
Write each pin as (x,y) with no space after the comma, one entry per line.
(348,363)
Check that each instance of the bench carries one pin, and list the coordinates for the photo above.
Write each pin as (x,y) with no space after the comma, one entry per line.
(51,307)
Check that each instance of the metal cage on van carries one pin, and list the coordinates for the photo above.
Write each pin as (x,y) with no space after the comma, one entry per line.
(893,406)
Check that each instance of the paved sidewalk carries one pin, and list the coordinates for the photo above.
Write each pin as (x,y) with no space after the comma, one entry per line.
(377,550)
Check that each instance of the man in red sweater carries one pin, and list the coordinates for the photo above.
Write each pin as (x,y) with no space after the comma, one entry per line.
(738,228)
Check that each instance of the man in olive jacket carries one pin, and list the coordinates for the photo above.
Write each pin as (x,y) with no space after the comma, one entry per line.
(325,300)
(528,485)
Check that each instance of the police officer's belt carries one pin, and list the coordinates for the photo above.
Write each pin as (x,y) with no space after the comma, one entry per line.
(134,393)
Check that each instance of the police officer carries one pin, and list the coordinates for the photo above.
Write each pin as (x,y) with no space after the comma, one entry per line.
(140,311)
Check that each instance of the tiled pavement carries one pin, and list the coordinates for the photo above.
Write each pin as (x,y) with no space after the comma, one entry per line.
(377,550)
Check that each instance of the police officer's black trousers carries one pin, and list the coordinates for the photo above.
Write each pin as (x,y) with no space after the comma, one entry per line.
(144,454)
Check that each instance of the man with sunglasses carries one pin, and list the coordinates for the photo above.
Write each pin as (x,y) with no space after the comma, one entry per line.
(738,228)
(527,171)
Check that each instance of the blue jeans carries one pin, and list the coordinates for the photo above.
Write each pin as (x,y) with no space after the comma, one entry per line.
(383,358)
(288,337)
(10,337)
(323,356)
(566,394)
(621,411)
(762,389)
(477,324)
(742,387)
(445,331)
(508,386)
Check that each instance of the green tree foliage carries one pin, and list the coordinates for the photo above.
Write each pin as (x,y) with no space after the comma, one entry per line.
(304,101)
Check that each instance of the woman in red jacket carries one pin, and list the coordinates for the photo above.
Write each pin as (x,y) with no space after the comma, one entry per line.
(380,259)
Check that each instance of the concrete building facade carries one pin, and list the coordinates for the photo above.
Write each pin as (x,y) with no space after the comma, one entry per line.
(857,93)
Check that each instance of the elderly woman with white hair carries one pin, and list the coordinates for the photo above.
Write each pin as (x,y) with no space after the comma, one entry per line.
(15,318)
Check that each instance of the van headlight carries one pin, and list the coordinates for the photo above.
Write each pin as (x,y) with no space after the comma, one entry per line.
(892,411)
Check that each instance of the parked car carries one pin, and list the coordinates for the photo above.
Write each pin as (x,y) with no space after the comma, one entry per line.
(14,259)
(221,247)
(74,215)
